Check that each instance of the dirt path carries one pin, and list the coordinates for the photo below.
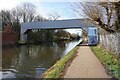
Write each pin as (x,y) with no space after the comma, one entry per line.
(86,65)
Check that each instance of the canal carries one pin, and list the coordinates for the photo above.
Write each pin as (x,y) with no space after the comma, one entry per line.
(30,61)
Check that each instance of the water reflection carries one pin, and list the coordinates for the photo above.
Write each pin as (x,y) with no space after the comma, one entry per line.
(33,60)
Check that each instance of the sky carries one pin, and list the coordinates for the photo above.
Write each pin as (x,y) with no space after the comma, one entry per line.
(64,9)
(45,7)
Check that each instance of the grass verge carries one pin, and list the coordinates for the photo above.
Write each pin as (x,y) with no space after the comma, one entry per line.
(56,70)
(111,62)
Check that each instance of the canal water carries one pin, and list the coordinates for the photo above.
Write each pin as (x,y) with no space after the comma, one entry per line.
(30,61)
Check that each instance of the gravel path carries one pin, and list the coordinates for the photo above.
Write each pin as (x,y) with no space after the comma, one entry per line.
(86,65)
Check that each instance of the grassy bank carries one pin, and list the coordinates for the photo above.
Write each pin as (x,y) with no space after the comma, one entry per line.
(111,62)
(56,70)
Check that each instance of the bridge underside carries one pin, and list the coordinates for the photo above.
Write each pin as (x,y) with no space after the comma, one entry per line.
(56,24)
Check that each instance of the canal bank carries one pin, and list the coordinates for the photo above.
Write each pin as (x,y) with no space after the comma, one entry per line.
(57,70)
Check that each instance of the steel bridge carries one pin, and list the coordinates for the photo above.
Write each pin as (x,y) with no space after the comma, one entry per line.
(55,24)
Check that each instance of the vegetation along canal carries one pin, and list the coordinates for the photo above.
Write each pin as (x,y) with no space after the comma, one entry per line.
(30,61)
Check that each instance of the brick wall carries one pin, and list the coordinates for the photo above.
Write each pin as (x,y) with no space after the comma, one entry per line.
(9,38)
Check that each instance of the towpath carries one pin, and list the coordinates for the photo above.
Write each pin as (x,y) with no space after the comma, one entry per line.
(86,65)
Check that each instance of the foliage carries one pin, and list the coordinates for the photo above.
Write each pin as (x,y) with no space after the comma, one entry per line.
(57,68)
(61,34)
(109,60)
(47,35)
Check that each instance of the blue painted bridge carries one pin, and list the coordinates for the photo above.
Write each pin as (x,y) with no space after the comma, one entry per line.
(55,24)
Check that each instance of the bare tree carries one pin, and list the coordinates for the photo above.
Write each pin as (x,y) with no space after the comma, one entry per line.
(39,18)
(101,12)
(16,14)
(53,16)
(117,11)
(27,11)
